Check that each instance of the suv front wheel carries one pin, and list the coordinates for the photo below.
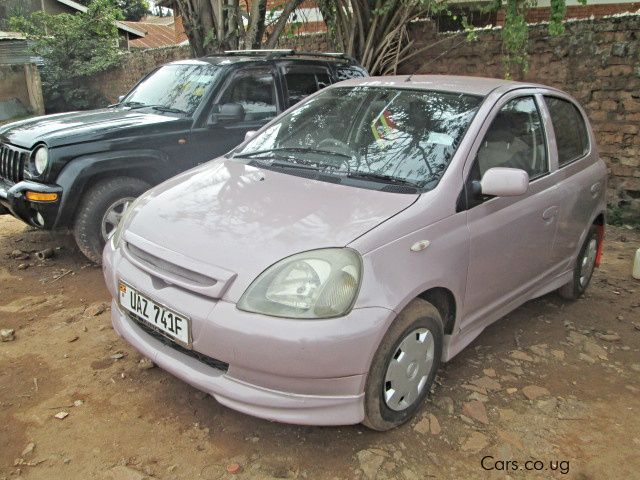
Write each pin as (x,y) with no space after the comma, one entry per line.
(100,211)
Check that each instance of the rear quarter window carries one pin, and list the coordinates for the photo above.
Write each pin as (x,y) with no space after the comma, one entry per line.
(570,129)
(345,73)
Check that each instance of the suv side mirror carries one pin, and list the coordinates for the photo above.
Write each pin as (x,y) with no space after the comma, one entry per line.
(226,113)
(250,134)
(504,182)
(120,98)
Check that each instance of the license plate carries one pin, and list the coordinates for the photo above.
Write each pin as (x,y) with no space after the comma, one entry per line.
(166,321)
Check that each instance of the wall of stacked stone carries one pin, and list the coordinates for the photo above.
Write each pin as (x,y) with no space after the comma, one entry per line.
(133,66)
(595,60)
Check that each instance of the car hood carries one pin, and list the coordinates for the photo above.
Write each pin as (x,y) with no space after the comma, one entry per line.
(242,219)
(76,127)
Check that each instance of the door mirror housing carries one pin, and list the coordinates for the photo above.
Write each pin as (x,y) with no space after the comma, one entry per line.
(226,113)
(120,98)
(504,182)
(250,134)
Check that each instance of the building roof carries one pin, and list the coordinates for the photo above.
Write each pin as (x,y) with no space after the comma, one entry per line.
(121,25)
(156,36)
(12,36)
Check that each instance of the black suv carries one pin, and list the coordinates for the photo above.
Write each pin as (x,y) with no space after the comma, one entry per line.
(81,170)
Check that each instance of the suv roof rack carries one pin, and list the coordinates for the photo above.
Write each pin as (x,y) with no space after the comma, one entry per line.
(285,52)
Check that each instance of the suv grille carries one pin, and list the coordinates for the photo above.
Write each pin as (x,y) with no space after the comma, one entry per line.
(212,362)
(12,162)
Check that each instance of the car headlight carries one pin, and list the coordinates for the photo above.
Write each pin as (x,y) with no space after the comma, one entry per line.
(116,238)
(41,159)
(314,284)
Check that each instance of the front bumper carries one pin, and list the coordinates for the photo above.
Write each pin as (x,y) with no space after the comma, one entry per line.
(293,371)
(13,201)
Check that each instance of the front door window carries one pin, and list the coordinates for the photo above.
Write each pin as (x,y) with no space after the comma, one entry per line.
(255,91)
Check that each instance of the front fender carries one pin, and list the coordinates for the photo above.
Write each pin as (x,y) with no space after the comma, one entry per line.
(82,171)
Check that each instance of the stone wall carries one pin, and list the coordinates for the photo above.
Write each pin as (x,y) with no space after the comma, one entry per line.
(596,61)
(135,65)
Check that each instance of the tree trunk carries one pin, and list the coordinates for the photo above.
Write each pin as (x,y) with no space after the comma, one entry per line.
(216,25)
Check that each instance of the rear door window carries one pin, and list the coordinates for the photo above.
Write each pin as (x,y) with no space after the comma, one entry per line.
(301,83)
(571,132)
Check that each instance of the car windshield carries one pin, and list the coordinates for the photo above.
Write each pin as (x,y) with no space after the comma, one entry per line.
(173,88)
(372,134)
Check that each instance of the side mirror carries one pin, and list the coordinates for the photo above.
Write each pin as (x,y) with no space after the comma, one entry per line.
(120,98)
(250,134)
(504,182)
(226,113)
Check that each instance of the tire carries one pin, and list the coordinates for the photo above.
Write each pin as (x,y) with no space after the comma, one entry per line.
(88,226)
(381,414)
(579,282)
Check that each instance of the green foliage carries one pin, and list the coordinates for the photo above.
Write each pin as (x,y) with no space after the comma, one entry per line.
(132,10)
(515,32)
(74,48)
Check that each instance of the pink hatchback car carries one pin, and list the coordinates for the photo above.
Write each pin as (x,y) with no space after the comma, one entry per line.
(321,271)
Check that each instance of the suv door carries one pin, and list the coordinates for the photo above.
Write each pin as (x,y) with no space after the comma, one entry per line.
(510,237)
(252,93)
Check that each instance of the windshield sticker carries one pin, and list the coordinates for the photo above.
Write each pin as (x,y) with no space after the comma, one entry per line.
(383,127)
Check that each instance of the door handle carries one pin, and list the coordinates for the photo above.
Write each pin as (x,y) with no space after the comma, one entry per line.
(549,214)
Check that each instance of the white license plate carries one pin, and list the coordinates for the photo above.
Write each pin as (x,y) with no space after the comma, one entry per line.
(169,323)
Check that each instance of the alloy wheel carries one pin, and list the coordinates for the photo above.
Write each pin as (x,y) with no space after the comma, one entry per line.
(113,215)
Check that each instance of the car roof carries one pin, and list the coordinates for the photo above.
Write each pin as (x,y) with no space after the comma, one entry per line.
(447,83)
(231,59)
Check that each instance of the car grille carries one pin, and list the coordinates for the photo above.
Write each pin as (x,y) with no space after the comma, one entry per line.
(212,362)
(12,162)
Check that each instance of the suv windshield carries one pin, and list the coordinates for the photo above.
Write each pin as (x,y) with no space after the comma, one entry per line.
(173,88)
(374,134)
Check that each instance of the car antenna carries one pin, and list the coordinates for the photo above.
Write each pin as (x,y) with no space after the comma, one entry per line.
(408,79)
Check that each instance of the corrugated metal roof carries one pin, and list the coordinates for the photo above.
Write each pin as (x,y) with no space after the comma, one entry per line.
(17,52)
(11,36)
(156,36)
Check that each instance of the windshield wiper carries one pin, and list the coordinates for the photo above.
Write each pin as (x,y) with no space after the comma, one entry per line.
(380,177)
(268,162)
(294,150)
(160,108)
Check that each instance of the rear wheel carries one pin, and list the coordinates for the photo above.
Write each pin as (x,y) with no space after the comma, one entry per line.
(583,270)
(100,212)
(404,366)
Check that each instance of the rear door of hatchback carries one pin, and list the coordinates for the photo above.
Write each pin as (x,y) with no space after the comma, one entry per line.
(581,175)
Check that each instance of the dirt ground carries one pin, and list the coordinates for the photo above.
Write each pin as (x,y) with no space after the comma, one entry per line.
(555,383)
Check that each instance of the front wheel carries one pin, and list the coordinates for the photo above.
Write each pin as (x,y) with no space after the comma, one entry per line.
(100,211)
(404,366)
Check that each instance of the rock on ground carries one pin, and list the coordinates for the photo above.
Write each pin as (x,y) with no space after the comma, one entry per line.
(475,409)
(370,463)
(475,442)
(7,335)
(533,391)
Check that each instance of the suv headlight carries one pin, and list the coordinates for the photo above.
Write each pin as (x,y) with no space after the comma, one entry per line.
(314,284)
(41,159)
(116,238)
